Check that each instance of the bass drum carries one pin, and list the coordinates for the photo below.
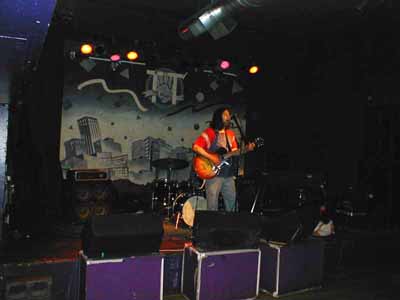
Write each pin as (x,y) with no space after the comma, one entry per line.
(187,206)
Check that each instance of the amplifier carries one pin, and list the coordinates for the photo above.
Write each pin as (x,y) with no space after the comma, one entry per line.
(88,175)
(32,288)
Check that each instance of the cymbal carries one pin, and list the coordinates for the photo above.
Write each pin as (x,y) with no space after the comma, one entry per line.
(170,163)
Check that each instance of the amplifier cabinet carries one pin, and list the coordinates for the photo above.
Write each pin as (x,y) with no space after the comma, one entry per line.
(55,279)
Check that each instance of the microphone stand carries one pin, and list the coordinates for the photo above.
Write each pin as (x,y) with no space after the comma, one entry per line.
(242,138)
(260,191)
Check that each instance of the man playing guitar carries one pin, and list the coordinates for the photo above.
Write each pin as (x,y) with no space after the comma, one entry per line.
(214,147)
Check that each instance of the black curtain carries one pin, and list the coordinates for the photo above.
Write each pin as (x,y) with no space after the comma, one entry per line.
(34,136)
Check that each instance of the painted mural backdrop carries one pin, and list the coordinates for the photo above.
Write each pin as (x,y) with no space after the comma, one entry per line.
(122,117)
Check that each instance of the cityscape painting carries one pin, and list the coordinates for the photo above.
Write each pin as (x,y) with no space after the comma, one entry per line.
(124,117)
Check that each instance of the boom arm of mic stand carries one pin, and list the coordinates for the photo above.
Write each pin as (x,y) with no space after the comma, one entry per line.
(242,136)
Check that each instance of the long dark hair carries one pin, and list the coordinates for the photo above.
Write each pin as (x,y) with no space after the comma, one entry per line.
(216,122)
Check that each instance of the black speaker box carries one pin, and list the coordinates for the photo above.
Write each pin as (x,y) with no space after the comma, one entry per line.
(291,226)
(122,235)
(284,229)
(217,230)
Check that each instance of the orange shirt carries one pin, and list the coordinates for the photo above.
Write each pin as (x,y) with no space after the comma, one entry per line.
(208,136)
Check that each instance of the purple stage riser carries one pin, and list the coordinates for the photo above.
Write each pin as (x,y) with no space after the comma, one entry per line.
(291,269)
(221,275)
(139,278)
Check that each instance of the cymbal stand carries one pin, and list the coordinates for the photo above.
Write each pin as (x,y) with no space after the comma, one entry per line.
(169,203)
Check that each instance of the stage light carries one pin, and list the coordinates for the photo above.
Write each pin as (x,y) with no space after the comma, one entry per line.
(132,55)
(216,18)
(224,64)
(86,49)
(184,30)
(253,69)
(115,57)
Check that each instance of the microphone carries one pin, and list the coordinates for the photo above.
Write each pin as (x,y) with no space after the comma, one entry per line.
(234,118)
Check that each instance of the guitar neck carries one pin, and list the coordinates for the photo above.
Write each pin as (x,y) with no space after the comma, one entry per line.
(235,153)
(257,143)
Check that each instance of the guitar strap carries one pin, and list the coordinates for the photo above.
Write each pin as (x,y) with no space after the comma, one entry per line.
(231,160)
(234,163)
(227,141)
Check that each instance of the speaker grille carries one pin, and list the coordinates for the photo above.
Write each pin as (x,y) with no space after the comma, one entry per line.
(217,230)
(122,235)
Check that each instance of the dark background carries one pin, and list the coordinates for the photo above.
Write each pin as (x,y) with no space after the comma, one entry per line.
(325,100)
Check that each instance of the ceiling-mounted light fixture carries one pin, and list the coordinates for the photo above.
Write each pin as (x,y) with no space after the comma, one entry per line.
(253,69)
(216,18)
(223,64)
(132,55)
(115,57)
(86,49)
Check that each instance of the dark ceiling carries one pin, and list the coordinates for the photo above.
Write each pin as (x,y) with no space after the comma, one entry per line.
(160,19)
(280,32)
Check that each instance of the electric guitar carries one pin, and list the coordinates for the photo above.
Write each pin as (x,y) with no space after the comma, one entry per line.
(206,169)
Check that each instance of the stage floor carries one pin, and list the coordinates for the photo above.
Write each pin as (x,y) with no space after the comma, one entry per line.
(67,244)
(368,270)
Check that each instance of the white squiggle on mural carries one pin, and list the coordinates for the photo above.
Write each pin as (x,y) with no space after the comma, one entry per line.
(104,84)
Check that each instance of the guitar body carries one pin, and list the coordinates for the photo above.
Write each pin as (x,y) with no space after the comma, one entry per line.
(204,168)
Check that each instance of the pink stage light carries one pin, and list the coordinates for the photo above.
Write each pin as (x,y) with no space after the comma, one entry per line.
(224,64)
(115,57)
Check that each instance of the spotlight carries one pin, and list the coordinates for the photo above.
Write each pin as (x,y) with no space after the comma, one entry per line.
(216,18)
(224,64)
(86,49)
(115,57)
(253,69)
(132,55)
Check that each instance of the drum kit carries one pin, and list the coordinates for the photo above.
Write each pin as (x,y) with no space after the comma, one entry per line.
(176,199)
